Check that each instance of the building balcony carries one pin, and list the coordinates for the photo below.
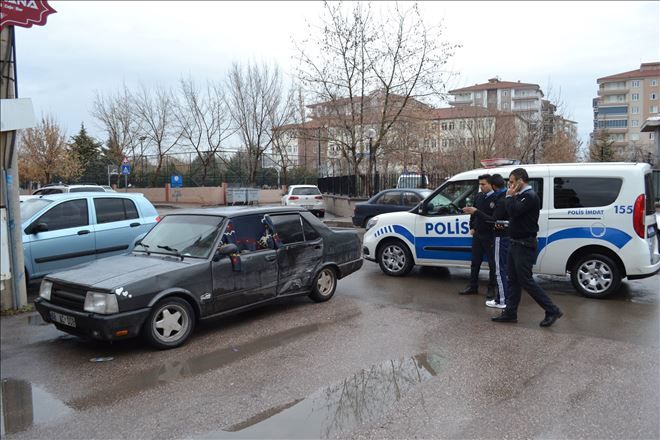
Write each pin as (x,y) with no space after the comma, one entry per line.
(462,101)
(523,97)
(614,130)
(613,91)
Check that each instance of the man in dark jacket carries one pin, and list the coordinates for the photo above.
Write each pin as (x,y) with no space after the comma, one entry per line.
(482,237)
(523,206)
(498,221)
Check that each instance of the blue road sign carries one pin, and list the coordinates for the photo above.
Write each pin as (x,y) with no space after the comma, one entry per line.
(125,169)
(176,181)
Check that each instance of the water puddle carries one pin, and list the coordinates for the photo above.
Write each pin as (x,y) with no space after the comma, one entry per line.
(335,411)
(23,405)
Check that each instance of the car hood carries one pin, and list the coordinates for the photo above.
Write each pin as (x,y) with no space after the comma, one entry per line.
(122,270)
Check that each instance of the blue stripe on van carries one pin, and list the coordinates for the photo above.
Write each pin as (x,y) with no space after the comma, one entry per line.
(612,235)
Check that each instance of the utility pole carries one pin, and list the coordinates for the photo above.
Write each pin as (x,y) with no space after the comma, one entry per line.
(13,293)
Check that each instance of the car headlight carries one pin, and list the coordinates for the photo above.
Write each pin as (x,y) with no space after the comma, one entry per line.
(371,223)
(45,289)
(104,303)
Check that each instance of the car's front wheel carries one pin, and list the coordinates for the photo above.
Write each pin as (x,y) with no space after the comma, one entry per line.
(325,285)
(170,323)
(595,276)
(394,258)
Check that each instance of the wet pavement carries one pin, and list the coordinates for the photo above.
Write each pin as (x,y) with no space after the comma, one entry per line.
(385,358)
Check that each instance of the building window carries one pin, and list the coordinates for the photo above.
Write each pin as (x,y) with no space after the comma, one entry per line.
(445,143)
(444,125)
(505,93)
(634,123)
(434,144)
(635,110)
(635,96)
(462,125)
(654,82)
(634,136)
(654,96)
(613,123)
(477,95)
(451,125)
(652,136)
(635,83)
(654,109)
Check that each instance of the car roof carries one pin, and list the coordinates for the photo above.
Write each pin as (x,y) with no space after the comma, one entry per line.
(73,195)
(573,166)
(236,211)
(303,186)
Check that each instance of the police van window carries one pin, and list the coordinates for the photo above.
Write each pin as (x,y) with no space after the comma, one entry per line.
(390,198)
(451,197)
(288,227)
(537,186)
(310,232)
(585,192)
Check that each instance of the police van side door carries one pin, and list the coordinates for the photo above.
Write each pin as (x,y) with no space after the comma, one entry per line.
(442,231)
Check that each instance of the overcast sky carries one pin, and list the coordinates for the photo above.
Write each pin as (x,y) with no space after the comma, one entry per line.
(90,46)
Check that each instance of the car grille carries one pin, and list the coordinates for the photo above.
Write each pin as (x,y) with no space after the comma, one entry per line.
(68,296)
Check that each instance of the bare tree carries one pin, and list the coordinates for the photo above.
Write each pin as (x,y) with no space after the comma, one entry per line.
(44,153)
(602,149)
(288,124)
(204,121)
(254,97)
(367,71)
(155,112)
(116,115)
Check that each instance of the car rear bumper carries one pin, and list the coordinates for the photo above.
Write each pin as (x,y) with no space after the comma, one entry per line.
(94,325)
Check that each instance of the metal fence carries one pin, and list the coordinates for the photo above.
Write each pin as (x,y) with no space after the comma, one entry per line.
(356,185)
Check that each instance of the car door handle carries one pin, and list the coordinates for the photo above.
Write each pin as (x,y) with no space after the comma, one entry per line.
(270,257)
(83,232)
(135,225)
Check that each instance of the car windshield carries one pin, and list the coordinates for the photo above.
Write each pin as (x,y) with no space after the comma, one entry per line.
(184,235)
(308,191)
(452,197)
(31,206)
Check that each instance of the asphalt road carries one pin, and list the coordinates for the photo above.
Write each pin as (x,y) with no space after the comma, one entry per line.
(385,358)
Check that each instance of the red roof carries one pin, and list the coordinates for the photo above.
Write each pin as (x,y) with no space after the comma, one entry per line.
(645,70)
(494,85)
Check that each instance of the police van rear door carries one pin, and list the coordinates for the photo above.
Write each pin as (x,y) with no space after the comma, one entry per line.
(442,231)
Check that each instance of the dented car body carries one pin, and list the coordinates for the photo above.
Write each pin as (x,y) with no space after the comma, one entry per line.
(196,265)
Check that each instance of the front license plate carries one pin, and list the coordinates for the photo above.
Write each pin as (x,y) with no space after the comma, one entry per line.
(63,319)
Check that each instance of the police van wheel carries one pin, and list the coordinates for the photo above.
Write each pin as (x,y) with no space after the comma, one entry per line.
(595,276)
(395,259)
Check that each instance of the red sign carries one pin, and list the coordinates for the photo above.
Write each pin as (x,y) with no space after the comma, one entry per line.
(24,13)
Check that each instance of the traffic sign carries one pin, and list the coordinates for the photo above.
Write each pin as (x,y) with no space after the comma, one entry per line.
(176,181)
(125,169)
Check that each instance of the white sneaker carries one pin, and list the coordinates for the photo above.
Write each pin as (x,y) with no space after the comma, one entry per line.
(492,303)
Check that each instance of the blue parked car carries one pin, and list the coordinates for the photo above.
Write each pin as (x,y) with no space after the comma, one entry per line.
(64,230)
(389,200)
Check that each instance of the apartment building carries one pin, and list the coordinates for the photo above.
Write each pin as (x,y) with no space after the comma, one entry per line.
(524,99)
(625,100)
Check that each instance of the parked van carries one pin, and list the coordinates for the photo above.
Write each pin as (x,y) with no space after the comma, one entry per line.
(412,180)
(597,222)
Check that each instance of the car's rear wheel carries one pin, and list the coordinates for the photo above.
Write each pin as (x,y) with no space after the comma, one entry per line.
(325,285)
(394,258)
(170,323)
(595,276)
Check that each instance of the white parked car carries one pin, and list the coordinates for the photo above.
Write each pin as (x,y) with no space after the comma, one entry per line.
(306,196)
(60,189)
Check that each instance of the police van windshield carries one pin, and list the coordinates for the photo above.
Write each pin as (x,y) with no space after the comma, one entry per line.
(452,197)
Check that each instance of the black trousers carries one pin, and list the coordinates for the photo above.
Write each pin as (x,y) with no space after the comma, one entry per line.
(482,246)
(520,262)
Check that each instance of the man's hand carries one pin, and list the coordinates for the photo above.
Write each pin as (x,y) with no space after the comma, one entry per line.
(472,231)
(469,210)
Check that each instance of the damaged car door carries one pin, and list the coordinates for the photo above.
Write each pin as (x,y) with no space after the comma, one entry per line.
(250,275)
(299,254)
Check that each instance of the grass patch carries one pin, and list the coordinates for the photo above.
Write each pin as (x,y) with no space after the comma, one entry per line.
(11,312)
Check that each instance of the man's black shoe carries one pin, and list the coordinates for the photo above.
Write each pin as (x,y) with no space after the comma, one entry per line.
(550,319)
(468,291)
(504,318)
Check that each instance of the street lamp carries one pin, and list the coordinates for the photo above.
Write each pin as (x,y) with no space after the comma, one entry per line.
(142,138)
(371,133)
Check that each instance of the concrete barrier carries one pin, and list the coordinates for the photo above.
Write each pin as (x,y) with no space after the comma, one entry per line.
(341,206)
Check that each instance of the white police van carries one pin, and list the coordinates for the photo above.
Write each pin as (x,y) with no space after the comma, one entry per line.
(597,222)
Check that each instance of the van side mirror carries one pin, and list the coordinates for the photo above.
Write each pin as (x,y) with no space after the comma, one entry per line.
(222,251)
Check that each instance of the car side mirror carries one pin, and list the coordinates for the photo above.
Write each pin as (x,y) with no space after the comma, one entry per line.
(222,251)
(39,227)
